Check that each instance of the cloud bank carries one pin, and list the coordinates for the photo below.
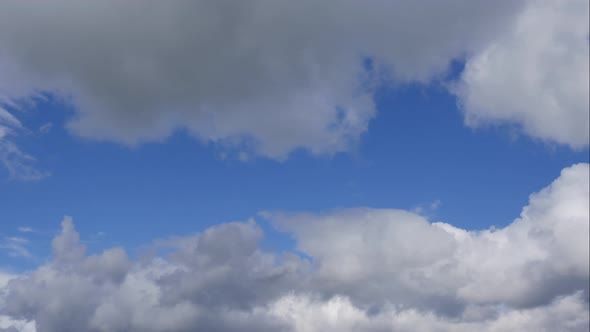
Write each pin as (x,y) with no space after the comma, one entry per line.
(269,77)
(362,270)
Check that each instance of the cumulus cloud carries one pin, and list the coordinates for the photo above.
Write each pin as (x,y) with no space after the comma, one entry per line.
(568,313)
(263,77)
(361,270)
(268,77)
(8,324)
(535,75)
(384,256)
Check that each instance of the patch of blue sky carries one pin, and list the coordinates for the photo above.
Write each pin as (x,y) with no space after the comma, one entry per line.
(417,155)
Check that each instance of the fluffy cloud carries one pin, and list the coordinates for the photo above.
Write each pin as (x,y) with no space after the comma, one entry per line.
(8,324)
(569,313)
(363,270)
(385,256)
(265,77)
(535,75)
(269,77)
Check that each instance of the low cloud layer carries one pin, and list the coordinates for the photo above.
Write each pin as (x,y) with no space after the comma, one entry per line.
(362,270)
(269,77)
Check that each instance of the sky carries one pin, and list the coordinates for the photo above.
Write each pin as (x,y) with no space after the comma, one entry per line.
(281,166)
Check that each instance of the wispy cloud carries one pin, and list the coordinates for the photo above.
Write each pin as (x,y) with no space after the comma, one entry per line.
(24,229)
(16,246)
(427,209)
(46,128)
(19,164)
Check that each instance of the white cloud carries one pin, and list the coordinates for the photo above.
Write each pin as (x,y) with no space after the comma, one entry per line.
(305,314)
(406,259)
(370,270)
(535,75)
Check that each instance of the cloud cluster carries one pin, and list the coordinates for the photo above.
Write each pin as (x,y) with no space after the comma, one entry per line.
(268,77)
(361,270)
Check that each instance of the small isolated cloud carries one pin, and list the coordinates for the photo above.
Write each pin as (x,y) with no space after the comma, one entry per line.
(24,229)
(427,209)
(370,270)
(46,128)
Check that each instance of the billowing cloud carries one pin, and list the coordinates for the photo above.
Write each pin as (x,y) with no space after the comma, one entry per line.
(404,258)
(361,270)
(535,75)
(268,77)
(569,313)
(264,77)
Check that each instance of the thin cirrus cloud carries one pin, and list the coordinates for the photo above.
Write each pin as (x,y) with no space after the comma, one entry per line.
(368,270)
(15,246)
(19,164)
(269,77)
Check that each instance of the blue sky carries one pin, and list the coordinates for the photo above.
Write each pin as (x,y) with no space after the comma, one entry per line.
(294,166)
(417,155)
